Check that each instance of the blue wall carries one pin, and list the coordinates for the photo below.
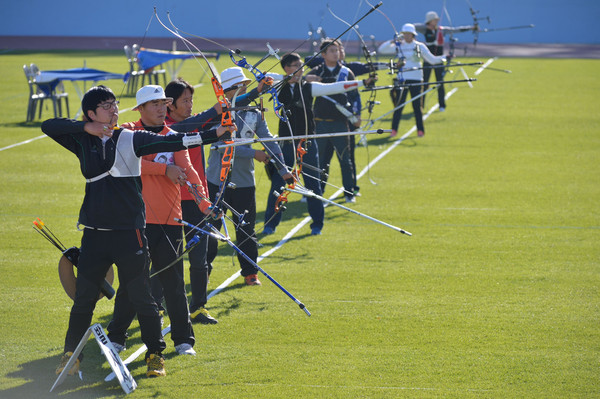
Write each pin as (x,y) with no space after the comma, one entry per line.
(556,21)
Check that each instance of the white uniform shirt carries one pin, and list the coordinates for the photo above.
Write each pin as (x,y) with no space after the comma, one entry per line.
(414,52)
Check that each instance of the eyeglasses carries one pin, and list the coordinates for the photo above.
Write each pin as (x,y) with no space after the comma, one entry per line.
(109,105)
(236,87)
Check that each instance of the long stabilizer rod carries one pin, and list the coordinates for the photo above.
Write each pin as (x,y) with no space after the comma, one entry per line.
(217,234)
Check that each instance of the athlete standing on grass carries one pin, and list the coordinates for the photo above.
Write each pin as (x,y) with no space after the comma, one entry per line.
(162,174)
(329,119)
(434,39)
(411,74)
(242,198)
(180,118)
(297,95)
(177,113)
(113,215)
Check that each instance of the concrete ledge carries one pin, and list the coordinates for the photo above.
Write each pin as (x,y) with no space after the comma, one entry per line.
(527,50)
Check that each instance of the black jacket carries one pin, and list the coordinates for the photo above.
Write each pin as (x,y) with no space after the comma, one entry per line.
(111,202)
(296,105)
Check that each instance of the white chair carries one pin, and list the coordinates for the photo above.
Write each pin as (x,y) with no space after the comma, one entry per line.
(34,97)
(46,92)
(134,72)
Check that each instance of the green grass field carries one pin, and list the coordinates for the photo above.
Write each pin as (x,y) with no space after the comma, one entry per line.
(495,295)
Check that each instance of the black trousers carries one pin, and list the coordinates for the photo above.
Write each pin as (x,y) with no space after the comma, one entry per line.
(439,76)
(199,267)
(241,199)
(160,241)
(401,95)
(128,249)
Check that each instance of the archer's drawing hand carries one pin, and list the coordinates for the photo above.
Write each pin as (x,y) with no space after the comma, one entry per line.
(99,129)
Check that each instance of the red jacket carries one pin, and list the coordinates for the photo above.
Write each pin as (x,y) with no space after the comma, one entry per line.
(197,159)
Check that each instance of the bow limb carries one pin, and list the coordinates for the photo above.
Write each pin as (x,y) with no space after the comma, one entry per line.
(399,54)
(476,20)
(451,38)
(287,78)
(396,34)
(259,76)
(226,117)
(370,63)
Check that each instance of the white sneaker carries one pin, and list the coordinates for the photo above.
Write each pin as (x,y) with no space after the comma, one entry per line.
(185,349)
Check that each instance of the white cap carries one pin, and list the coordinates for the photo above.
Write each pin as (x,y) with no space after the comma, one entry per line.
(150,93)
(430,16)
(409,28)
(232,76)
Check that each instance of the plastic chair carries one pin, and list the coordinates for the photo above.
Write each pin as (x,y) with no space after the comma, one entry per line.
(134,72)
(34,97)
(46,92)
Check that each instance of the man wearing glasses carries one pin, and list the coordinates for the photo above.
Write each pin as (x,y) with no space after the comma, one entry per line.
(113,215)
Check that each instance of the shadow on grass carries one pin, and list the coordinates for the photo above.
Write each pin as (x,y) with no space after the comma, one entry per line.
(39,376)
(232,304)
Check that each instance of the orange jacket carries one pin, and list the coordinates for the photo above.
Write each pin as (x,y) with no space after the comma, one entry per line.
(161,196)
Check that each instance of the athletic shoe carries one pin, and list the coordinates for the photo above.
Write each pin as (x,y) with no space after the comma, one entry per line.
(156,365)
(63,363)
(394,133)
(303,199)
(315,231)
(268,230)
(252,279)
(442,109)
(118,347)
(420,133)
(202,316)
(185,349)
(350,199)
